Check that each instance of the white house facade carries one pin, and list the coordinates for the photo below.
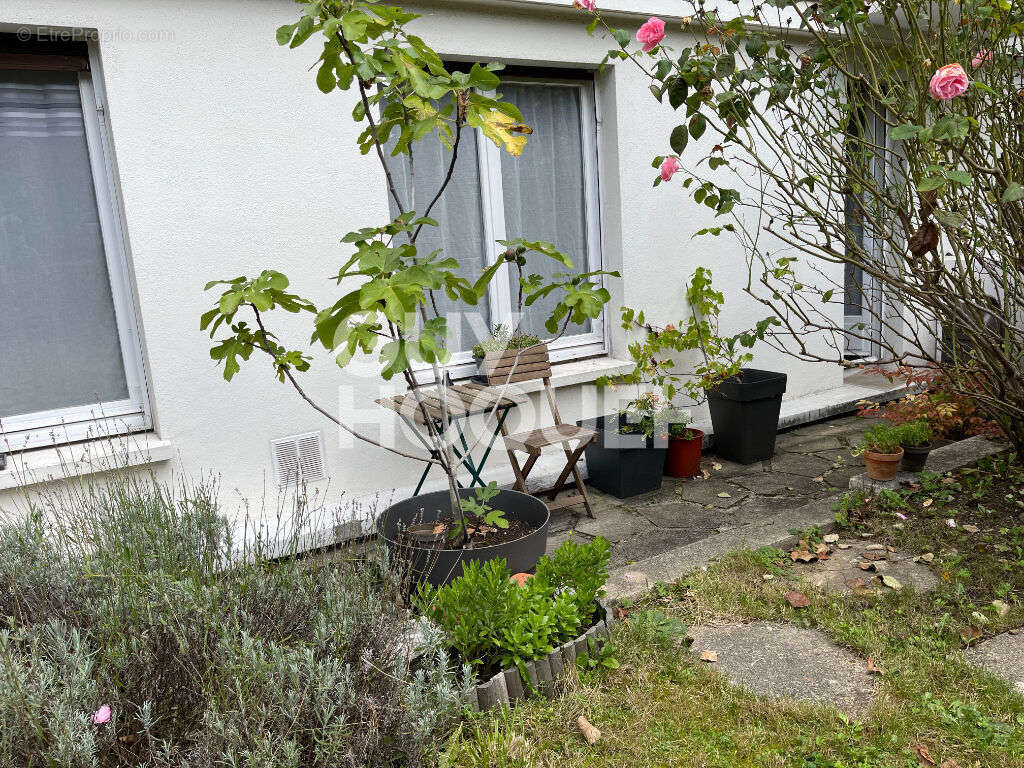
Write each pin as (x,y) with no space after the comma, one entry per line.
(148,147)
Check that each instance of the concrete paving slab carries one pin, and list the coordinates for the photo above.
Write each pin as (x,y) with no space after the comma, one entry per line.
(807,465)
(615,524)
(783,661)
(715,491)
(780,484)
(841,572)
(1001,655)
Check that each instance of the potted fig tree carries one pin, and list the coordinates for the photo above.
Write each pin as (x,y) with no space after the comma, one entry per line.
(882,451)
(388,287)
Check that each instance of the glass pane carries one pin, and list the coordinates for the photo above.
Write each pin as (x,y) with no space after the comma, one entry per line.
(59,343)
(853,276)
(459,214)
(544,188)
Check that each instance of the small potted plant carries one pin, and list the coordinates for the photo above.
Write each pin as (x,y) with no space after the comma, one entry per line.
(916,440)
(882,451)
(507,353)
(628,458)
(684,446)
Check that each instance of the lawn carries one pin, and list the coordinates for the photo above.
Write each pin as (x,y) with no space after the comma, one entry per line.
(664,707)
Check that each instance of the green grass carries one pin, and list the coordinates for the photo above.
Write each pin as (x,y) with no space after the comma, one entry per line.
(662,707)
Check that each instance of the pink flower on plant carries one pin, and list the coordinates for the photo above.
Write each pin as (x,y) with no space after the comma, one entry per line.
(981,58)
(948,83)
(101,715)
(584,5)
(651,33)
(668,168)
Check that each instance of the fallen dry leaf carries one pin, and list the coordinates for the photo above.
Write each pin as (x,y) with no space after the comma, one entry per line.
(866,566)
(797,599)
(970,528)
(844,546)
(856,583)
(716,466)
(970,634)
(821,549)
(1001,607)
(949,762)
(802,556)
(927,502)
(874,548)
(818,479)
(830,538)
(439,528)
(891,582)
(873,668)
(768,576)
(590,733)
(724,495)
(709,656)
(706,474)
(927,557)
(875,556)
(924,756)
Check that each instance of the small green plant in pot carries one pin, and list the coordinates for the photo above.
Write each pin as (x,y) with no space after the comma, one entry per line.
(916,440)
(882,451)
(506,351)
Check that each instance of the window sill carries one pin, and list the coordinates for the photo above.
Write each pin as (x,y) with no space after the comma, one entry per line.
(43,465)
(574,372)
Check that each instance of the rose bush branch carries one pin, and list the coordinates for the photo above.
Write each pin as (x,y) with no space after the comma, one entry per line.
(889,145)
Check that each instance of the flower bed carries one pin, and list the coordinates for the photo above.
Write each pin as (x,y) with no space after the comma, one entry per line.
(507,686)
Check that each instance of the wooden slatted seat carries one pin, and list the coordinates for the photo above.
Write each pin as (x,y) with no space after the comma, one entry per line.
(536,440)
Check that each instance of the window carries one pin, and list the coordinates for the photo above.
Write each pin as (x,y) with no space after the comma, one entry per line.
(549,193)
(70,363)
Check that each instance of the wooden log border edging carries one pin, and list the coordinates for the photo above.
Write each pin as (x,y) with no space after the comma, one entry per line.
(507,686)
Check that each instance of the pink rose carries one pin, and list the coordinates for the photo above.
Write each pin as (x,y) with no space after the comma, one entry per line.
(651,33)
(981,58)
(668,168)
(584,5)
(948,83)
(101,715)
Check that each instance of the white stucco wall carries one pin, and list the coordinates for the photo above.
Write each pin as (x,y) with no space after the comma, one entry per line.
(230,161)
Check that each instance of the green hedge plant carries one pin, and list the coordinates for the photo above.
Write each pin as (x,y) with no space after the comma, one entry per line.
(492,623)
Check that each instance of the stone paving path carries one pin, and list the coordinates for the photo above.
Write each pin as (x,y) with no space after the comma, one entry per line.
(784,661)
(1002,655)
(811,462)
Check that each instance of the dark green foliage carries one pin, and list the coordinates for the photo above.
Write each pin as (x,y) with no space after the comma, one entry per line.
(492,622)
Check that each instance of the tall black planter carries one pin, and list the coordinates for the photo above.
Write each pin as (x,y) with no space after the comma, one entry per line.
(623,465)
(745,415)
(440,566)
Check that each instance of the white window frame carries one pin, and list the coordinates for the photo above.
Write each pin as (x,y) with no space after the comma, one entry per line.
(132,414)
(569,347)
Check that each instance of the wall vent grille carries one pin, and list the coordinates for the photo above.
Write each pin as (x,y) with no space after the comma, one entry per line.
(299,458)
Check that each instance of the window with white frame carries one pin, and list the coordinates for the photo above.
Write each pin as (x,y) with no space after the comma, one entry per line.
(70,361)
(550,193)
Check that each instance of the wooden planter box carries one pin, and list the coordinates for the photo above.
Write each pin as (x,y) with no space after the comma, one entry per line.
(497,368)
(507,687)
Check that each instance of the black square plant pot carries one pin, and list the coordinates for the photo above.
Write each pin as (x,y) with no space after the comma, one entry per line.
(745,415)
(623,465)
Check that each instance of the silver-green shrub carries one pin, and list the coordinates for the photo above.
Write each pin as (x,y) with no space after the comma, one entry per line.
(208,651)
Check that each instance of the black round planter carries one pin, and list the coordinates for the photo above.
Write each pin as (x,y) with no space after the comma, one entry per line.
(440,566)
(623,465)
(915,457)
(745,415)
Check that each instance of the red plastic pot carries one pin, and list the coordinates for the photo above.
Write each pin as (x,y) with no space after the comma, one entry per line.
(683,457)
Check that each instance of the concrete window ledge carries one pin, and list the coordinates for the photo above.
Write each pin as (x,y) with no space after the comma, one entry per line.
(43,465)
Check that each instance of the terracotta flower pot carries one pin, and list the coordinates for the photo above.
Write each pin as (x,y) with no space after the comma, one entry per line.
(683,456)
(882,466)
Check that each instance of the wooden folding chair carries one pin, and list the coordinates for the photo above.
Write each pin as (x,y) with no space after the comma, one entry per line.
(533,364)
